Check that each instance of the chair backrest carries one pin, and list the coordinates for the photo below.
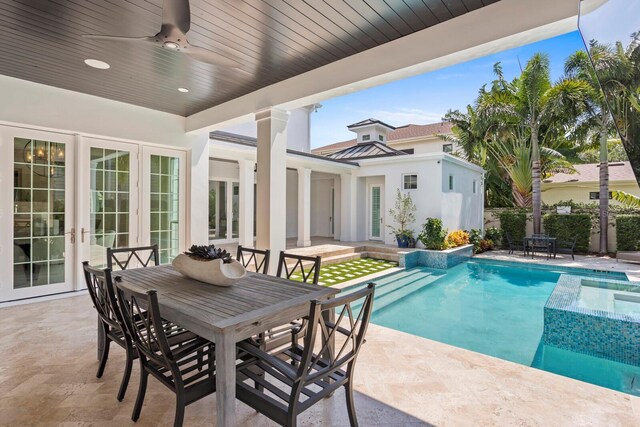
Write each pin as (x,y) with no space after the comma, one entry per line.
(310,275)
(540,236)
(141,315)
(122,257)
(353,312)
(103,295)
(254,258)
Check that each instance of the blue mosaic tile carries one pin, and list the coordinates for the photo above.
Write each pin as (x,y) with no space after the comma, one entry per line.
(609,335)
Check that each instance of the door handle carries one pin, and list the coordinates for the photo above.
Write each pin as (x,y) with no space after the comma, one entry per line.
(73,234)
(82,233)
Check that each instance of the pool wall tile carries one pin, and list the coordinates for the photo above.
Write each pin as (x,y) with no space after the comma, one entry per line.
(440,260)
(604,334)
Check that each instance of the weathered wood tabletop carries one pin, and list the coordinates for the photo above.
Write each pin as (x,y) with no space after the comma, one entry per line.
(226,315)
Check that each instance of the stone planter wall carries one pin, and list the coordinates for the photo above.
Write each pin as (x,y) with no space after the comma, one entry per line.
(435,259)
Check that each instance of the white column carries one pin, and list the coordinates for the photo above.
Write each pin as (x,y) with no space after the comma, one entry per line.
(348,208)
(272,183)
(304,207)
(198,201)
(246,202)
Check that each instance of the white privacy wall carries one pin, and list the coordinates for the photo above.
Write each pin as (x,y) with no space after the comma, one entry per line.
(461,208)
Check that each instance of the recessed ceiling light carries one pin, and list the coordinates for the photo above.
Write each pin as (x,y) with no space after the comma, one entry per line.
(101,65)
(171,45)
(183,89)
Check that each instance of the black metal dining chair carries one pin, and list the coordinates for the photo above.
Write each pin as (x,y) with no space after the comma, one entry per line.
(180,360)
(255,259)
(514,245)
(309,275)
(102,293)
(122,257)
(567,247)
(296,377)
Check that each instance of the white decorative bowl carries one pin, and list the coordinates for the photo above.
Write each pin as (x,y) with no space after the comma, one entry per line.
(214,272)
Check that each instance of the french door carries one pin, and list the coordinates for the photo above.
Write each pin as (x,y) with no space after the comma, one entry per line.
(37,213)
(66,198)
(162,211)
(375,212)
(109,193)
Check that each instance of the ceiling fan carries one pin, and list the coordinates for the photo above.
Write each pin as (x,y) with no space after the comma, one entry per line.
(176,22)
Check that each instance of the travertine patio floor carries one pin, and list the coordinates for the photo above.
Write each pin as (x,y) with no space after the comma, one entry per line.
(580,261)
(48,363)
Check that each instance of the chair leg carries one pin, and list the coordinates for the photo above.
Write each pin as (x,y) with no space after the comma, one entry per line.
(142,390)
(103,357)
(127,375)
(180,404)
(351,408)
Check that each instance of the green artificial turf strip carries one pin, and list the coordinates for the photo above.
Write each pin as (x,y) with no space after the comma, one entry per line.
(349,270)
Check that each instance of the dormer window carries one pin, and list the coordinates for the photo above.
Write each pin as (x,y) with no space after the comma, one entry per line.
(381,138)
(366,137)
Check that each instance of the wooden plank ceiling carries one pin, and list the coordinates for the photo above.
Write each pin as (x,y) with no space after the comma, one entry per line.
(272,39)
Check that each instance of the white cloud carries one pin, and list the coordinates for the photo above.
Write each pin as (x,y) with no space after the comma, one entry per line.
(403,116)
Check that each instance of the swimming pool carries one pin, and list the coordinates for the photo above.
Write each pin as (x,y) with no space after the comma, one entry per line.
(493,308)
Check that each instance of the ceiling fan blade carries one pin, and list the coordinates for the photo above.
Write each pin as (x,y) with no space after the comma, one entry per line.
(119,38)
(209,56)
(176,13)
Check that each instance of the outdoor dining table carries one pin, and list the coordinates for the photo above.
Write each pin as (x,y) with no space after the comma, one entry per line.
(532,240)
(226,315)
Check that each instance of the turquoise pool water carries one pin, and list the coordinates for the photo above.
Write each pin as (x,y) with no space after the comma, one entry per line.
(492,308)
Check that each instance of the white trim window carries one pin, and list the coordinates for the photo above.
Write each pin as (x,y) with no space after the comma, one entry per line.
(410,181)
(447,148)
(366,137)
(451,182)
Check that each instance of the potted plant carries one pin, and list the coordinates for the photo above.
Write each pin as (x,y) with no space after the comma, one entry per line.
(210,265)
(403,214)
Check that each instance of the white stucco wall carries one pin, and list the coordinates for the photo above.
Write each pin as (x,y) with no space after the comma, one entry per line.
(299,130)
(223,171)
(460,207)
(422,146)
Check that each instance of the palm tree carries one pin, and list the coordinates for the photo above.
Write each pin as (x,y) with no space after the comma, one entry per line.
(595,125)
(543,109)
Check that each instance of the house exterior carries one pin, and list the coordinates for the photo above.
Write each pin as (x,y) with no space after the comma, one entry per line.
(411,138)
(584,185)
(347,193)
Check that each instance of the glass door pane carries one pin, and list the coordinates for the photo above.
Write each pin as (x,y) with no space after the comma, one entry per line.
(39,213)
(217,210)
(165,206)
(375,212)
(235,210)
(109,204)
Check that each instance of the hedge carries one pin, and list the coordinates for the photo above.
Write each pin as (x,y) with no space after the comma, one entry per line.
(566,227)
(515,223)
(628,232)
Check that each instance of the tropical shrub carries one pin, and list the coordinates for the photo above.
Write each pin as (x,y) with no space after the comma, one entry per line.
(475,236)
(485,245)
(566,227)
(628,232)
(494,234)
(513,222)
(457,238)
(433,235)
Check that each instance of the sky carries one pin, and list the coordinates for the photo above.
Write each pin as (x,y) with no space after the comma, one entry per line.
(427,97)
